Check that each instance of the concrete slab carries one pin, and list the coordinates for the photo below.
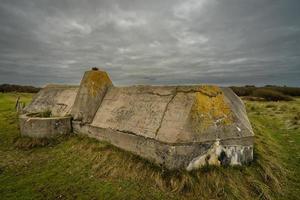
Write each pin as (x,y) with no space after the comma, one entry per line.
(93,87)
(58,99)
(133,109)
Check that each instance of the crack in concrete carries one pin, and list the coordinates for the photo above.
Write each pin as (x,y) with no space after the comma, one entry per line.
(195,91)
(164,113)
(175,143)
(126,131)
(174,93)
(179,90)
(158,94)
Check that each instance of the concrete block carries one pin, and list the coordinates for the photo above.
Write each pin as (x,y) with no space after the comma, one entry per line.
(41,127)
(93,87)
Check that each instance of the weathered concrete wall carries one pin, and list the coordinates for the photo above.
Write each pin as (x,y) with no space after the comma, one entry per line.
(173,156)
(58,99)
(176,126)
(44,127)
(92,90)
(183,121)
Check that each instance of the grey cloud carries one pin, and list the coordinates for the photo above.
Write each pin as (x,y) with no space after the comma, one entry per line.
(151,42)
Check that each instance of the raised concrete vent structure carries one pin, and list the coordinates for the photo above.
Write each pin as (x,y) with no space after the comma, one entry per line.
(174,126)
(44,127)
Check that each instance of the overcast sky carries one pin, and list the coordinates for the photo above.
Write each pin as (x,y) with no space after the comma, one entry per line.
(226,42)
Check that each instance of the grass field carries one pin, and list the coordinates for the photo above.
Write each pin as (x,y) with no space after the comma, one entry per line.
(77,167)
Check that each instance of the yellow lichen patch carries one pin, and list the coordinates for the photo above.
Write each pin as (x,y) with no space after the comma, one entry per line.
(95,81)
(210,90)
(209,109)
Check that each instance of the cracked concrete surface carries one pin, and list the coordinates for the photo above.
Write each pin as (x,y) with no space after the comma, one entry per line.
(155,122)
(58,99)
(164,113)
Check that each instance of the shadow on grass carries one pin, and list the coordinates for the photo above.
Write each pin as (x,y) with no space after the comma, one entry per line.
(28,143)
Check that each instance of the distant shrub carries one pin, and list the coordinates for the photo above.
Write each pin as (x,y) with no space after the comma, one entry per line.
(270,106)
(291,91)
(251,98)
(243,91)
(271,95)
(297,116)
(18,88)
(95,69)
(249,89)
(283,108)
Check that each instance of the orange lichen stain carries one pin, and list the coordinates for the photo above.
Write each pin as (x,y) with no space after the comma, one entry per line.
(95,81)
(209,109)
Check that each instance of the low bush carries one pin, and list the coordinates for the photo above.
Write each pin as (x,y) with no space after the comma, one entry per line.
(268,92)
(243,91)
(291,91)
(18,88)
(271,95)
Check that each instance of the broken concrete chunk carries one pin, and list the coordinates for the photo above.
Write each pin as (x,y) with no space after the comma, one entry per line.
(219,154)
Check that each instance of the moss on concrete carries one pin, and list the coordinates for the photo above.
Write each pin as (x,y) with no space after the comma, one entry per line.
(95,81)
(210,90)
(209,109)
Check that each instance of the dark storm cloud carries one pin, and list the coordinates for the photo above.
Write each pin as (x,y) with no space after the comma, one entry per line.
(151,42)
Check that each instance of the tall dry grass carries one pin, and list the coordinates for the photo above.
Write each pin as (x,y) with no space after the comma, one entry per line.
(261,179)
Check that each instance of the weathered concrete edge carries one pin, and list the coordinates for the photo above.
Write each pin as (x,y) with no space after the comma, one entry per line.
(40,127)
(173,156)
(25,116)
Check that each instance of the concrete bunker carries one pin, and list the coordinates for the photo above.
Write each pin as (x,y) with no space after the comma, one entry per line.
(174,126)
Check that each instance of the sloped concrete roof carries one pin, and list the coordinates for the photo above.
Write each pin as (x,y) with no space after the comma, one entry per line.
(170,114)
(166,113)
(58,99)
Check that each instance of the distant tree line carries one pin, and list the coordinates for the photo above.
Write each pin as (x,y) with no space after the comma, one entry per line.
(18,88)
(268,92)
